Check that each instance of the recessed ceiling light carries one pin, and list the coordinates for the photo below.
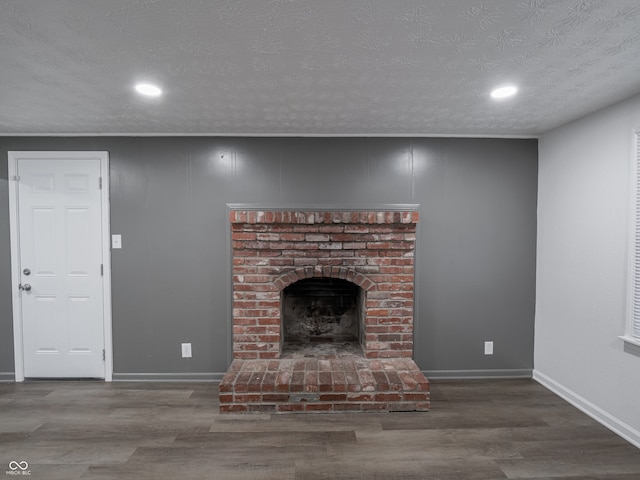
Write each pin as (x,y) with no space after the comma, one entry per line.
(505,91)
(148,90)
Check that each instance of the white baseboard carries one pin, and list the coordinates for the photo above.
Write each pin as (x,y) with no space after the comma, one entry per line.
(598,414)
(167,377)
(476,374)
(7,377)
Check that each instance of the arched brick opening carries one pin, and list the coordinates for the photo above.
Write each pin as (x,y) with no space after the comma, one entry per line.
(342,273)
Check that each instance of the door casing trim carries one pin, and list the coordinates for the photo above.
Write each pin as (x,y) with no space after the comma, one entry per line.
(15,252)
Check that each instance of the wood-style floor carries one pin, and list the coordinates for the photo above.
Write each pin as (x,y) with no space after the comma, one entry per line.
(475,430)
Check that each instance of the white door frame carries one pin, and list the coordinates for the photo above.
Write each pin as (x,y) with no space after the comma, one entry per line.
(15,252)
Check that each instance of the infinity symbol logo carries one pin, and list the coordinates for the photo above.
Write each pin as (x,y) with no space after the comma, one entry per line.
(23,465)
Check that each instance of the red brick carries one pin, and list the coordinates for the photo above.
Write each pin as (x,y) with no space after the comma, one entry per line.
(225,386)
(333,397)
(356,229)
(401,261)
(281,245)
(392,269)
(246,397)
(270,237)
(311,381)
(297,381)
(269,355)
(360,397)
(243,236)
(283,380)
(249,331)
(325,382)
(245,253)
(379,245)
(305,245)
(375,329)
(269,338)
(347,407)
(330,261)
(388,397)
(269,382)
(339,381)
(395,383)
(381,381)
(268,321)
(268,253)
(304,228)
(318,407)
(251,347)
(341,237)
(275,397)
(331,229)
(292,237)
(378,312)
(260,287)
(392,353)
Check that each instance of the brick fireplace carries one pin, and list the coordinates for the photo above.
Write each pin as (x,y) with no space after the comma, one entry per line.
(323,312)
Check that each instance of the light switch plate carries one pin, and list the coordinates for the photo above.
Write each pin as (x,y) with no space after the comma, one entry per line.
(116,241)
(186,350)
(488,348)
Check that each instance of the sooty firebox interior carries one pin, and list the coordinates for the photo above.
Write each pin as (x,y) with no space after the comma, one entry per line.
(322,313)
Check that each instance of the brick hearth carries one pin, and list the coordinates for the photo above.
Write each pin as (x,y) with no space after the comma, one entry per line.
(341,384)
(373,251)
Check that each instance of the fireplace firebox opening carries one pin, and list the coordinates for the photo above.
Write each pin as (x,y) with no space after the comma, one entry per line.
(322,313)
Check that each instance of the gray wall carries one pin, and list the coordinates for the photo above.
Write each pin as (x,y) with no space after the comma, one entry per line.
(476,245)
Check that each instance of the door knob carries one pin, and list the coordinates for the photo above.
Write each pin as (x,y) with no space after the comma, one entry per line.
(26,287)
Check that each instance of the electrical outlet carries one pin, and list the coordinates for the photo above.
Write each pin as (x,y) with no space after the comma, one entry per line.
(488,348)
(186,350)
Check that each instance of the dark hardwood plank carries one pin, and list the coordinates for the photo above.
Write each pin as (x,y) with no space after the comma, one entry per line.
(477,430)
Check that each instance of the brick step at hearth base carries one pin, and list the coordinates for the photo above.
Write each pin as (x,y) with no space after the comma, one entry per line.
(345,383)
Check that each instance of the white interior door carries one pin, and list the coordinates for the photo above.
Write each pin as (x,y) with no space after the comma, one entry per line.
(60,266)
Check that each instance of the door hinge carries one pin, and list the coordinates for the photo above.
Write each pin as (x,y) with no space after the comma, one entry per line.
(104,355)
(102,269)
(100,183)
(15,178)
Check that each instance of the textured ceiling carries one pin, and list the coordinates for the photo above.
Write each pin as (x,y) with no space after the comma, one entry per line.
(343,67)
